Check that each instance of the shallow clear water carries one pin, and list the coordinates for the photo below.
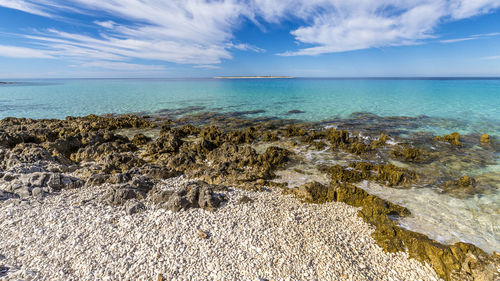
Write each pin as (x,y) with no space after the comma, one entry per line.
(466,106)
(475,102)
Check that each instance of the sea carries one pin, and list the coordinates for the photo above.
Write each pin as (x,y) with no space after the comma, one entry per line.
(468,106)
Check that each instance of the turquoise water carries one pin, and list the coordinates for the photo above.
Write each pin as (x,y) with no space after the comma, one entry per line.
(476,103)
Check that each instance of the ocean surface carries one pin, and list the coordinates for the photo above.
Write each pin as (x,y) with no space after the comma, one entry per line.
(468,106)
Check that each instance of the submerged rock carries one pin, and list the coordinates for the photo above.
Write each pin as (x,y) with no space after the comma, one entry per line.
(465,184)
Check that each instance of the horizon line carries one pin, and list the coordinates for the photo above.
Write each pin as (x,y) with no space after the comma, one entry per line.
(260,77)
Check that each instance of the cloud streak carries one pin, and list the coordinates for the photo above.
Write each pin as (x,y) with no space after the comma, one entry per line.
(472,37)
(201,32)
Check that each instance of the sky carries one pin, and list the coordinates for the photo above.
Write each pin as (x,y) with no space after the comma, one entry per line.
(201,38)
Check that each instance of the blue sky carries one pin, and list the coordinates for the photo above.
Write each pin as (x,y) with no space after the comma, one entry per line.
(200,38)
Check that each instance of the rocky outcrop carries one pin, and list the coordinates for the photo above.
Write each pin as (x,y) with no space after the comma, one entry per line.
(42,183)
(193,195)
(137,188)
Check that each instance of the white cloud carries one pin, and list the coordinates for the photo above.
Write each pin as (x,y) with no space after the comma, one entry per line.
(21,52)
(25,6)
(106,24)
(122,66)
(338,26)
(491,58)
(201,32)
(472,37)
(246,47)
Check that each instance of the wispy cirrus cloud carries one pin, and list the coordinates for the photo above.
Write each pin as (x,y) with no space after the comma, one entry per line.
(201,32)
(123,66)
(21,52)
(491,58)
(471,37)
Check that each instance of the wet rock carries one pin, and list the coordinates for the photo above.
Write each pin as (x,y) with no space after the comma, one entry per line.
(342,174)
(294,131)
(314,192)
(65,146)
(140,139)
(94,152)
(168,142)
(381,141)
(485,138)
(387,174)
(213,135)
(392,175)
(453,139)
(411,154)
(189,130)
(239,137)
(270,136)
(464,184)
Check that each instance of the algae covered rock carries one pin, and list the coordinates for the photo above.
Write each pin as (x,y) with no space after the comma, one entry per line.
(453,139)
(392,175)
(140,139)
(464,184)
(343,174)
(485,138)
(315,192)
(294,131)
(411,154)
(387,174)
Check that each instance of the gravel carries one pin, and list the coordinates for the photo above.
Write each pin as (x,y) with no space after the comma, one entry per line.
(72,236)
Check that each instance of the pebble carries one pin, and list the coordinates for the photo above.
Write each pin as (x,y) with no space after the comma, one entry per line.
(275,237)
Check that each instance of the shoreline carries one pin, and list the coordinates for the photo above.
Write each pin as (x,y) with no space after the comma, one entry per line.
(130,156)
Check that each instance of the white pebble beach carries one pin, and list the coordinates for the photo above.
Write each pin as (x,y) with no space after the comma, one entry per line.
(276,237)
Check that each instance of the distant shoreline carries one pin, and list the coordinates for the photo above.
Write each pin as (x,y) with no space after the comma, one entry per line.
(253,77)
